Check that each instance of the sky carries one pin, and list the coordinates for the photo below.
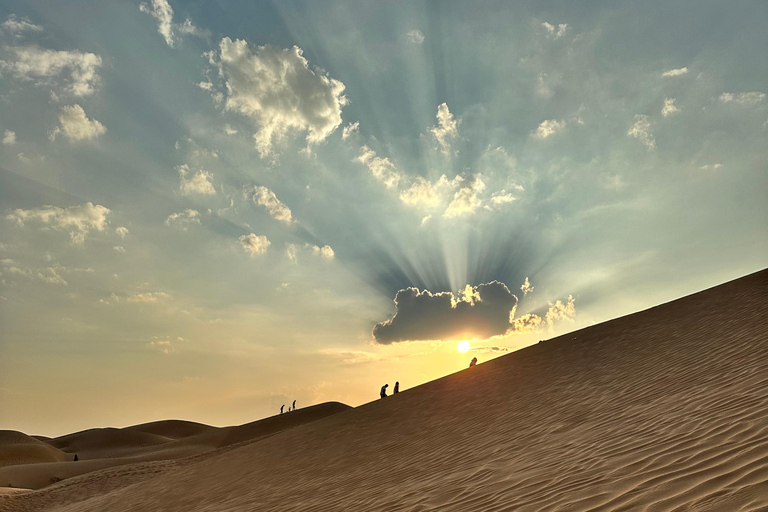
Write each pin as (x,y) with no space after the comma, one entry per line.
(210,209)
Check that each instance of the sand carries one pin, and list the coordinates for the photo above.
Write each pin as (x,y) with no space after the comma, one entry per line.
(138,446)
(663,410)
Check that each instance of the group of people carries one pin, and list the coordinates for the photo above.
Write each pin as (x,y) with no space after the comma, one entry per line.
(394,391)
(291,407)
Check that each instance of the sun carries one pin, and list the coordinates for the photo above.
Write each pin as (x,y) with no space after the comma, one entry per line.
(463,346)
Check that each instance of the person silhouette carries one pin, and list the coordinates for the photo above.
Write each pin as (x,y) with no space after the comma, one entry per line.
(281,408)
(473,362)
(397,388)
(383,390)
(294,405)
(76,459)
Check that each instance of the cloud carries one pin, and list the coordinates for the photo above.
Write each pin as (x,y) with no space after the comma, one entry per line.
(325,251)
(48,275)
(381,168)
(476,312)
(711,167)
(119,248)
(548,128)
(9,137)
(675,72)
(278,91)
(162,11)
(254,244)
(14,25)
(743,98)
(206,86)
(350,129)
(502,197)
(78,221)
(527,323)
(183,219)
(76,71)
(229,130)
(669,107)
(122,231)
(197,183)
(560,311)
(555,32)
(447,128)
(423,193)
(415,36)
(526,288)
(641,130)
(465,201)
(265,197)
(75,125)
(147,297)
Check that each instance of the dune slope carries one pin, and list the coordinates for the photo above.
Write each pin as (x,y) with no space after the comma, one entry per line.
(666,409)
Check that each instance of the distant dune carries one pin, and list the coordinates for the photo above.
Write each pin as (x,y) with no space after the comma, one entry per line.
(662,410)
(27,462)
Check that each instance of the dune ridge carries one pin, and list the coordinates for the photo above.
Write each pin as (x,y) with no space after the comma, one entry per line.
(661,410)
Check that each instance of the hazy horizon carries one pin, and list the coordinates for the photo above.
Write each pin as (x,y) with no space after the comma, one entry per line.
(206,213)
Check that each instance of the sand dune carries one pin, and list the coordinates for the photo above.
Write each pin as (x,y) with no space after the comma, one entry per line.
(19,448)
(102,448)
(663,410)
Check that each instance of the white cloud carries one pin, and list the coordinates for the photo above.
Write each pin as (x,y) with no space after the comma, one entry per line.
(423,193)
(75,125)
(119,248)
(122,231)
(743,98)
(381,168)
(675,72)
(14,25)
(199,182)
(502,197)
(9,137)
(147,297)
(425,219)
(641,130)
(465,201)
(48,275)
(77,71)
(183,219)
(229,130)
(162,11)
(290,252)
(277,90)
(188,28)
(254,244)
(527,323)
(669,107)
(350,129)
(415,36)
(265,197)
(526,288)
(560,311)
(206,86)
(555,32)
(548,128)
(78,221)
(447,128)
(711,167)
(324,251)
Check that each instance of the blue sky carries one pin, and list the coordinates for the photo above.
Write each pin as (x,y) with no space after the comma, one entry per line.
(208,207)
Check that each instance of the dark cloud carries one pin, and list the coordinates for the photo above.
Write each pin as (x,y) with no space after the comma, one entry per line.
(477,312)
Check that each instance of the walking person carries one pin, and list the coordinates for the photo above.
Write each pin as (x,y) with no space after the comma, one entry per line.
(397,388)
(383,390)
(473,362)
(294,406)
(281,408)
